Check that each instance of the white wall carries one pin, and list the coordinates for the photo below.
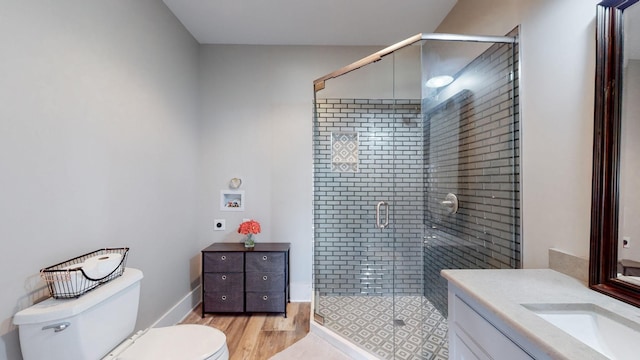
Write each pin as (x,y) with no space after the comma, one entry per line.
(556,98)
(98,146)
(558,72)
(258,111)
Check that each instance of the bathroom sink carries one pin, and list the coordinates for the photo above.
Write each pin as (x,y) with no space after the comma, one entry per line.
(606,332)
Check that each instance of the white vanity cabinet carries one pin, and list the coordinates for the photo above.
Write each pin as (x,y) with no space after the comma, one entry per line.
(491,316)
(474,333)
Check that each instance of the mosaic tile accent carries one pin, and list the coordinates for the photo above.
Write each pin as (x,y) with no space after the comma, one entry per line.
(344,152)
(368,322)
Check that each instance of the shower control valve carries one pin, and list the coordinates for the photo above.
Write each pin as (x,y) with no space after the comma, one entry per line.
(451,203)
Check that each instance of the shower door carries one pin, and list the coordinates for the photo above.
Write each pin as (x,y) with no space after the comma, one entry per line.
(368,196)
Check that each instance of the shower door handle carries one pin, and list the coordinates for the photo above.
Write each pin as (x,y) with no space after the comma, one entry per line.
(386,221)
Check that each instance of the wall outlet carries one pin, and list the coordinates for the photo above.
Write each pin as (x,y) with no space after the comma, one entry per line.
(626,242)
(219,224)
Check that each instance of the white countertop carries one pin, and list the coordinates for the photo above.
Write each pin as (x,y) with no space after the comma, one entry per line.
(503,291)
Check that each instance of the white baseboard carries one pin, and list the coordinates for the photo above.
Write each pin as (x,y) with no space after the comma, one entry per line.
(180,310)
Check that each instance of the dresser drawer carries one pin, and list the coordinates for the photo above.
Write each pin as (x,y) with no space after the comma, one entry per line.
(262,281)
(265,302)
(223,262)
(223,282)
(224,301)
(265,261)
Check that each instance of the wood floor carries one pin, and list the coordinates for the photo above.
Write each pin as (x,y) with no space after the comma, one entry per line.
(257,336)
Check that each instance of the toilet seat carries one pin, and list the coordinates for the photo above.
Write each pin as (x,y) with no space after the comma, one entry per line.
(188,342)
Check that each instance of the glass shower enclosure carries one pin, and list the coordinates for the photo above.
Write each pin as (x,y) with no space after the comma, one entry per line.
(416,169)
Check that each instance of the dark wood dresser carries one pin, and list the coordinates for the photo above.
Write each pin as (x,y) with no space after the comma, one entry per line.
(236,279)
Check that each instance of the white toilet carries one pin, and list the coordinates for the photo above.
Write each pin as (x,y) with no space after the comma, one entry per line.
(97,324)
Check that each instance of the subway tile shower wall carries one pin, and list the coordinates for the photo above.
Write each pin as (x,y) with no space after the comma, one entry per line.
(467,145)
(353,256)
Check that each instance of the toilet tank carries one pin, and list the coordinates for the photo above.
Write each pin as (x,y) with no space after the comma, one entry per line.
(84,328)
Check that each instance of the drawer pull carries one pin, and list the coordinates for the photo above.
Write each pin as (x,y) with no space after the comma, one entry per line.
(264,257)
(223,258)
(224,297)
(224,277)
(265,298)
(264,278)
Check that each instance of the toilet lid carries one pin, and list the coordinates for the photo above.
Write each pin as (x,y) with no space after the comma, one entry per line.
(188,342)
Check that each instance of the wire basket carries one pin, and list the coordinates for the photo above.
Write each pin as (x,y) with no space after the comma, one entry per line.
(75,277)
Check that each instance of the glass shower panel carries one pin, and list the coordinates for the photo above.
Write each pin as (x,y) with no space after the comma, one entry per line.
(406,206)
(471,134)
(394,153)
(349,137)
(367,170)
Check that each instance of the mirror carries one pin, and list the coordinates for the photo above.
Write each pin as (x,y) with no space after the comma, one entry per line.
(615,257)
(629,202)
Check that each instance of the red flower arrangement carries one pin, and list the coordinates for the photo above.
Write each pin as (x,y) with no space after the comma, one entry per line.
(249,227)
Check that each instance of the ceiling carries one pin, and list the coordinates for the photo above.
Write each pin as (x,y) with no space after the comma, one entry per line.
(308,22)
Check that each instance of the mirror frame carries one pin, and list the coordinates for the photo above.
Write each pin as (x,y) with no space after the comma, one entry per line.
(606,154)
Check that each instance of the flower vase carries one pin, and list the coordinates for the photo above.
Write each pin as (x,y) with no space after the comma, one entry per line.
(249,242)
